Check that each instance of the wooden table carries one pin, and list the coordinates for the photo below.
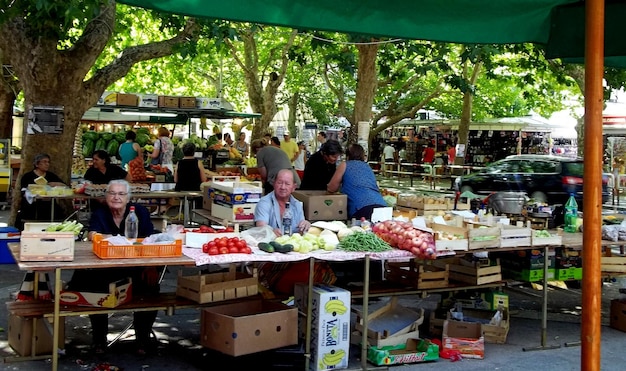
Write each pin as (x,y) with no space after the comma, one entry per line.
(84,258)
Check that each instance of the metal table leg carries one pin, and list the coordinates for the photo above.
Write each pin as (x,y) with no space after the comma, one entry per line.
(544,307)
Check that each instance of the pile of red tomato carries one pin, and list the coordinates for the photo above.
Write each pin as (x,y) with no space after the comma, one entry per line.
(225,245)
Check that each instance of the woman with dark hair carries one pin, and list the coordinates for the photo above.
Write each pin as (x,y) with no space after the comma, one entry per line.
(130,149)
(189,173)
(103,171)
(355,179)
(320,167)
(41,210)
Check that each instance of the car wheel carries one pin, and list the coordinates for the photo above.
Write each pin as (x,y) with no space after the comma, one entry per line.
(539,197)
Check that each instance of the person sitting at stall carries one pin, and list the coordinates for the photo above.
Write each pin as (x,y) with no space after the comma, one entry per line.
(320,167)
(110,221)
(103,171)
(271,207)
(355,178)
(130,149)
(41,210)
(228,140)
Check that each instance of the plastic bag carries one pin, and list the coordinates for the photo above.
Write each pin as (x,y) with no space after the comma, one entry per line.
(256,235)
(610,232)
(159,238)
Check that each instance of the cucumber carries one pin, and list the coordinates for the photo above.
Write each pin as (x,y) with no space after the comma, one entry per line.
(275,245)
(264,246)
(285,248)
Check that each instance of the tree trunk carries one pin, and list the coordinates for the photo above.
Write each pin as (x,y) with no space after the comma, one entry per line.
(7,98)
(466,113)
(365,88)
(293,110)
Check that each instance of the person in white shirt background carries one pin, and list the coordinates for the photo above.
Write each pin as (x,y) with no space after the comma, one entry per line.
(300,160)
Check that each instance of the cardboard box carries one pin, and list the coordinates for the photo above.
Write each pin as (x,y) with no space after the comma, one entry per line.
(236,193)
(206,195)
(187,102)
(618,314)
(196,239)
(496,299)
(166,101)
(493,333)
(318,205)
(149,100)
(529,275)
(391,324)
(233,213)
(571,273)
(248,327)
(208,103)
(46,246)
(209,288)
(330,326)
(413,351)
(466,337)
(109,98)
(21,335)
(119,292)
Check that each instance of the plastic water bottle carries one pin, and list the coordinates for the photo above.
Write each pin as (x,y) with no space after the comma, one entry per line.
(571,214)
(287,220)
(131,225)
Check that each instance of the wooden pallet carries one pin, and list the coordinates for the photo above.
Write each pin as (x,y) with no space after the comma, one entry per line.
(472,273)
(419,275)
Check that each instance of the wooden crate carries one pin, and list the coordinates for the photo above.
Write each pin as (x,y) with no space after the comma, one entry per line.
(414,274)
(512,236)
(213,287)
(554,239)
(443,244)
(613,264)
(483,237)
(473,273)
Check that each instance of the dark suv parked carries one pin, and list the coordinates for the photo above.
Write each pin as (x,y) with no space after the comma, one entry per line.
(544,178)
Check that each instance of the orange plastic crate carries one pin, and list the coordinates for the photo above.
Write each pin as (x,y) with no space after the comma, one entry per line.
(103,250)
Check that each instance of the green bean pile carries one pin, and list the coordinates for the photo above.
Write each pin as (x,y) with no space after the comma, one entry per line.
(363,241)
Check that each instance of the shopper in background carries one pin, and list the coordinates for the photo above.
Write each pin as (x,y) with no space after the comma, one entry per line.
(321,139)
(320,167)
(290,147)
(242,146)
(163,150)
(389,156)
(274,141)
(355,178)
(130,149)
(267,138)
(270,160)
(189,173)
(109,220)
(429,154)
(228,141)
(103,171)
(451,154)
(271,207)
(301,159)
(41,209)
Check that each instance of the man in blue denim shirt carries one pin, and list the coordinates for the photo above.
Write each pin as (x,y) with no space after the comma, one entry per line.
(271,207)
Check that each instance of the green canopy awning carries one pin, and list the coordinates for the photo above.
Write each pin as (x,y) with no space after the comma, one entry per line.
(558,24)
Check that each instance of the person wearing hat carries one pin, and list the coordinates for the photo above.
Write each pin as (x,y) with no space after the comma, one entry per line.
(290,147)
